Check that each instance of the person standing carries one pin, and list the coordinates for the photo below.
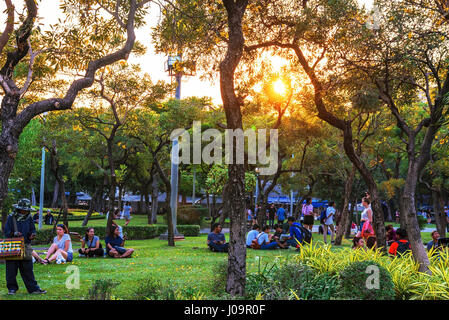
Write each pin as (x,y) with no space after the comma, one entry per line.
(329,222)
(127,209)
(271,215)
(20,224)
(307,212)
(366,220)
(280,214)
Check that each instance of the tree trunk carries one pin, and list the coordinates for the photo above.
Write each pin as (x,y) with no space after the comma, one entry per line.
(93,202)
(413,230)
(9,138)
(120,197)
(147,207)
(440,216)
(342,228)
(353,202)
(54,203)
(154,199)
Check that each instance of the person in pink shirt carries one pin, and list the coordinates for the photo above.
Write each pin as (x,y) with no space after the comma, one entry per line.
(307,212)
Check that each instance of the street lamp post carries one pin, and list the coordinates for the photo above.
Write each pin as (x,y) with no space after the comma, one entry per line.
(173,71)
(257,188)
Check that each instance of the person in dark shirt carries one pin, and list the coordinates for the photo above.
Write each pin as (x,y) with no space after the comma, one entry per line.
(391,234)
(277,236)
(433,244)
(216,239)
(114,245)
(20,224)
(271,215)
(49,219)
(402,246)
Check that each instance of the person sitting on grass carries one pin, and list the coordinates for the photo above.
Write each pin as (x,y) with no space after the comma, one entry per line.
(113,223)
(391,234)
(252,235)
(114,245)
(402,246)
(278,236)
(264,240)
(433,244)
(49,219)
(296,236)
(358,243)
(371,243)
(93,245)
(61,249)
(216,239)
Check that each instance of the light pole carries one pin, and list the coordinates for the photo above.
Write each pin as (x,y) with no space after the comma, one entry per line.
(173,69)
(257,188)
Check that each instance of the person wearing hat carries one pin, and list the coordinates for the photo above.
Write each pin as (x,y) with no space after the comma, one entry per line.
(20,224)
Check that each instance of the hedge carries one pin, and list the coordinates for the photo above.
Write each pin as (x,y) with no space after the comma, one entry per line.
(132,232)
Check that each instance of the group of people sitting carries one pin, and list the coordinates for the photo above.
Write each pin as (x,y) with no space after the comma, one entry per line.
(61,250)
(260,237)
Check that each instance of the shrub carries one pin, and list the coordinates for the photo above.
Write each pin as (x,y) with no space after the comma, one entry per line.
(155,289)
(354,280)
(190,215)
(132,232)
(102,289)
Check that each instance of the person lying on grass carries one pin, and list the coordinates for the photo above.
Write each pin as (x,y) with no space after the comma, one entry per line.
(61,249)
(93,245)
(114,245)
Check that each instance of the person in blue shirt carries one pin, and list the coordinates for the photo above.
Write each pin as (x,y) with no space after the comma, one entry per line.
(20,224)
(280,214)
(114,245)
(295,233)
(216,240)
(252,235)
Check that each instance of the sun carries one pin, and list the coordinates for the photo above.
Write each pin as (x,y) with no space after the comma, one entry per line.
(279,87)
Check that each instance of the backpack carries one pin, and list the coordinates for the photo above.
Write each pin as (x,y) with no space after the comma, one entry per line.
(255,243)
(305,233)
(403,248)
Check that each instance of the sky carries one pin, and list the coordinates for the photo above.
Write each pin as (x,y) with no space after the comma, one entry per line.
(151,63)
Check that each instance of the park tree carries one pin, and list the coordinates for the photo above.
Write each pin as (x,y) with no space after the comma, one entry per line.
(118,91)
(409,70)
(17,48)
